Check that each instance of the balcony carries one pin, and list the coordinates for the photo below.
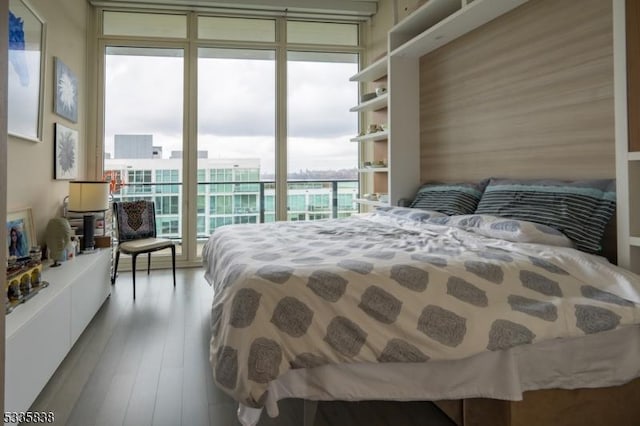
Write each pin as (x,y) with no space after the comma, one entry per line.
(224,203)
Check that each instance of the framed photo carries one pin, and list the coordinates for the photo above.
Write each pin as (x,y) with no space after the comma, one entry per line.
(65,95)
(66,153)
(25,71)
(21,235)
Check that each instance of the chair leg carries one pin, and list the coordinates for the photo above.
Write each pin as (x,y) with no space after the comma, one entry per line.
(133,273)
(148,262)
(115,269)
(173,263)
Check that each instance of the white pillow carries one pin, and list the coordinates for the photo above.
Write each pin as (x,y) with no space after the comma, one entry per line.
(519,231)
(417,215)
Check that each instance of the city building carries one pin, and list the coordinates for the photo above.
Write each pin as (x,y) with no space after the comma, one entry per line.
(230,191)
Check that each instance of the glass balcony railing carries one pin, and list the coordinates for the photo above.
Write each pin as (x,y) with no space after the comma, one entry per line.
(225,203)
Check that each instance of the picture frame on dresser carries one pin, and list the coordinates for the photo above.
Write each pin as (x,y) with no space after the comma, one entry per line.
(21,234)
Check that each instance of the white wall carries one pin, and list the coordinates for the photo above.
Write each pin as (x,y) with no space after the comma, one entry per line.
(389,11)
(376,31)
(30,181)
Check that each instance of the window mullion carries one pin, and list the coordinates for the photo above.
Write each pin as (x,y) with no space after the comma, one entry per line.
(190,136)
(281,120)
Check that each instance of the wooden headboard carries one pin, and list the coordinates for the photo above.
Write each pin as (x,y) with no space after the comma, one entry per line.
(529,95)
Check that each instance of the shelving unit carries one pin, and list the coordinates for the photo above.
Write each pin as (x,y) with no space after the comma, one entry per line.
(439,22)
(434,24)
(377,103)
(627,133)
(426,16)
(373,170)
(373,72)
(377,136)
(374,145)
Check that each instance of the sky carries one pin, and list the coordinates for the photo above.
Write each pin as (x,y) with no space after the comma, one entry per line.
(236,108)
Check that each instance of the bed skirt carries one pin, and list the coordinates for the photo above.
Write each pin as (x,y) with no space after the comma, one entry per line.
(593,361)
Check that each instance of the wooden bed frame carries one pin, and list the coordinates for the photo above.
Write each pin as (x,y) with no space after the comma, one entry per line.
(529,95)
(617,406)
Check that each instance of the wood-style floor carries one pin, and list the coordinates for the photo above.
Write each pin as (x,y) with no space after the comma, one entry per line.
(146,363)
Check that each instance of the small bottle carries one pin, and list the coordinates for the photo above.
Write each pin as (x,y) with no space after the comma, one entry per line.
(71,251)
(25,284)
(36,276)
(35,253)
(14,291)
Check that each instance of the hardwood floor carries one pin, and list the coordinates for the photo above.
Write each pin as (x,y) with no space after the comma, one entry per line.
(146,363)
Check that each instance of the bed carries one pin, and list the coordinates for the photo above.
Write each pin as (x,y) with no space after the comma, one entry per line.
(419,304)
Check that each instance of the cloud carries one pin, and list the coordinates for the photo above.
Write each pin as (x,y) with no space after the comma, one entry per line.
(236,108)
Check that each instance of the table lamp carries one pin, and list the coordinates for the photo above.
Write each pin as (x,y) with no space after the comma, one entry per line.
(88,197)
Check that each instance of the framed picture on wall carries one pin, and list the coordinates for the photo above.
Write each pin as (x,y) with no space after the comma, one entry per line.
(65,94)
(25,72)
(66,153)
(21,234)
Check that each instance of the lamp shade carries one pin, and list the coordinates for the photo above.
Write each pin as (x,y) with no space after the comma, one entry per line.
(88,196)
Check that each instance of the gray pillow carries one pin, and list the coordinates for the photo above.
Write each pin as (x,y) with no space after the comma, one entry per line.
(578,209)
(449,198)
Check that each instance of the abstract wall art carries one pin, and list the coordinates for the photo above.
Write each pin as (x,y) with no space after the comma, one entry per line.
(25,71)
(66,92)
(66,153)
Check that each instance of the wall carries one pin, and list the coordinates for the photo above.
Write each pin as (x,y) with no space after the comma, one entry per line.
(30,179)
(4,30)
(376,32)
(530,94)
(389,12)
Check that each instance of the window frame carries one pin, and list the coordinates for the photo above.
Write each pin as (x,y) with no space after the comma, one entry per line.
(190,45)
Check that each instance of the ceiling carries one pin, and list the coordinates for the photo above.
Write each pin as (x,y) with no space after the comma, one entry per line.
(361,9)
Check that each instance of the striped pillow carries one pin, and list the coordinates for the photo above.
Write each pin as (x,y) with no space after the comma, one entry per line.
(449,198)
(578,209)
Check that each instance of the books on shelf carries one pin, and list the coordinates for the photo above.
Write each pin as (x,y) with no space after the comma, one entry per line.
(76,221)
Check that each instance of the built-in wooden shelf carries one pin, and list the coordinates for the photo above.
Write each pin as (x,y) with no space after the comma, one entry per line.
(373,170)
(442,22)
(373,72)
(426,16)
(379,102)
(376,136)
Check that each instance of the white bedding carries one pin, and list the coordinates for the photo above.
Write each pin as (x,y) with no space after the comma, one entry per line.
(383,288)
(595,360)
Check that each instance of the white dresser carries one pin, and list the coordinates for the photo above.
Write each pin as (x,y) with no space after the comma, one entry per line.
(40,332)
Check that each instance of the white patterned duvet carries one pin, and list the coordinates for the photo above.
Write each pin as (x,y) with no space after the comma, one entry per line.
(386,287)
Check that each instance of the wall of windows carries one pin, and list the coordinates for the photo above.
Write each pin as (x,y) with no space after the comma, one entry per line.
(267,129)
